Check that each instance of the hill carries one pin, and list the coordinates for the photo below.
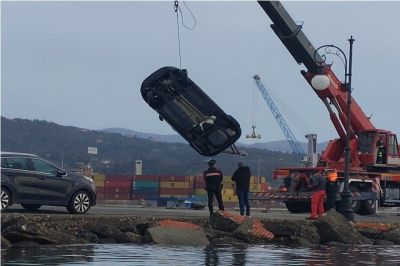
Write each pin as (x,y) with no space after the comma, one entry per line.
(279,145)
(117,153)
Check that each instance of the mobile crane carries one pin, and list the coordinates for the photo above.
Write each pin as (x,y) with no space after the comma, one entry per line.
(373,178)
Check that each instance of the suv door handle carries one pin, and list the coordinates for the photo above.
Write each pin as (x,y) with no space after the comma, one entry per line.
(41,178)
(7,174)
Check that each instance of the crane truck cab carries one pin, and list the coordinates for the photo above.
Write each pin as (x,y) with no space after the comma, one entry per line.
(378,149)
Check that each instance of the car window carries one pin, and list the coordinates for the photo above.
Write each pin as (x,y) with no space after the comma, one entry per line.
(17,163)
(44,167)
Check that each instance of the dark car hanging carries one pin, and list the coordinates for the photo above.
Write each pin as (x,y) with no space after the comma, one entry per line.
(190,111)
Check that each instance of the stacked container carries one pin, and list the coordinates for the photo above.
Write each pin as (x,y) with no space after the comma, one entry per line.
(99,183)
(175,187)
(117,187)
(145,187)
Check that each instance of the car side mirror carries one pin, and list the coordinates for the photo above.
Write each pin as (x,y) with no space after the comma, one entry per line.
(61,172)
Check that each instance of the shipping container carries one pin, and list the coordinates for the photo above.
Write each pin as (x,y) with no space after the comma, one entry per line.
(146,184)
(99,183)
(200,192)
(100,196)
(227,192)
(226,198)
(100,189)
(99,177)
(175,191)
(170,178)
(199,198)
(116,190)
(118,176)
(146,178)
(227,179)
(118,183)
(168,184)
(117,196)
(174,196)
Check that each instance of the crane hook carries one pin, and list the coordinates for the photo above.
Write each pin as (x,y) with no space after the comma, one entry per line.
(176,6)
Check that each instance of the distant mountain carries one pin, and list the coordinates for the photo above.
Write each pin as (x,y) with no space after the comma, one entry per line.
(117,153)
(280,145)
(159,137)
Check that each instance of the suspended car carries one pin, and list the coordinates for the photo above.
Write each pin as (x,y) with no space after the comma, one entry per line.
(190,111)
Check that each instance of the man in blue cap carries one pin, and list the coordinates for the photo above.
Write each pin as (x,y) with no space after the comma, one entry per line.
(213,178)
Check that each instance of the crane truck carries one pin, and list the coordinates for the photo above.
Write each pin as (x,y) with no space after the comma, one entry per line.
(374,170)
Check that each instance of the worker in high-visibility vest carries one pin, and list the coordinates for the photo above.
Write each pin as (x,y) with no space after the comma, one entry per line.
(331,189)
(380,153)
(317,184)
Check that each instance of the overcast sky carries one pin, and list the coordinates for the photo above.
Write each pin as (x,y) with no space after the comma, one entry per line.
(82,63)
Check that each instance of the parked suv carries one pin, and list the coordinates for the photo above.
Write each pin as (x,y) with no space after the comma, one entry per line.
(31,181)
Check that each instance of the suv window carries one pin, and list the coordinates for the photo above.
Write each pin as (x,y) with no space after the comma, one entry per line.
(17,163)
(44,167)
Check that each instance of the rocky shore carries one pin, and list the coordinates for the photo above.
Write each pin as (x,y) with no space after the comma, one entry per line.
(29,230)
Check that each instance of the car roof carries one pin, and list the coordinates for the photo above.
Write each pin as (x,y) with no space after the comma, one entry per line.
(17,154)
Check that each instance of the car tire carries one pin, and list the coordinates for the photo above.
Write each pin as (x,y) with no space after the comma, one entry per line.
(31,207)
(5,198)
(79,203)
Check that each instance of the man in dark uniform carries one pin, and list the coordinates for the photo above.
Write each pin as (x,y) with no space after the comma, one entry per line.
(331,189)
(213,178)
(242,180)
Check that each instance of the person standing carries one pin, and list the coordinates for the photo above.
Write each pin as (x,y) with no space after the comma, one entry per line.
(317,185)
(213,178)
(242,177)
(331,189)
(380,154)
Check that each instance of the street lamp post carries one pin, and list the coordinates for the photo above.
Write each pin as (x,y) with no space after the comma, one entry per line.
(321,82)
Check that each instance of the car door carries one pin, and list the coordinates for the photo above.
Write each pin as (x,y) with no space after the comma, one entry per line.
(52,187)
(21,178)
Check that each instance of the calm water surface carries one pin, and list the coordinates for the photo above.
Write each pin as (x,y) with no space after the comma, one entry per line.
(119,254)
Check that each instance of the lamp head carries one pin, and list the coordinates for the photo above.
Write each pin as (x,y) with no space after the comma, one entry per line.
(320,82)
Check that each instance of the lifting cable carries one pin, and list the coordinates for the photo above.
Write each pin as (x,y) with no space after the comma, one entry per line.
(178,10)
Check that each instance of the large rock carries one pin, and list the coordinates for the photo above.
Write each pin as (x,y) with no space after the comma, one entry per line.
(334,227)
(26,244)
(225,221)
(253,231)
(88,236)
(107,231)
(177,233)
(290,231)
(5,243)
(15,237)
(134,238)
(392,236)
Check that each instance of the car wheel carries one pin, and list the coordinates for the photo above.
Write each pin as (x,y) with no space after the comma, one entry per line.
(5,198)
(80,203)
(31,207)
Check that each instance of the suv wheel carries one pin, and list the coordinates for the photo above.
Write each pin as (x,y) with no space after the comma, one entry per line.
(80,203)
(5,198)
(31,207)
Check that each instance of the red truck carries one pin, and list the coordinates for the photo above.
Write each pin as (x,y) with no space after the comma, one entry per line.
(374,168)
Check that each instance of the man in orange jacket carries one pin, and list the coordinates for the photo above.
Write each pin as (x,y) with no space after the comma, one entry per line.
(317,185)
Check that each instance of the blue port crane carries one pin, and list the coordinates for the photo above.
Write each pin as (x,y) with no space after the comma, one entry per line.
(278,117)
